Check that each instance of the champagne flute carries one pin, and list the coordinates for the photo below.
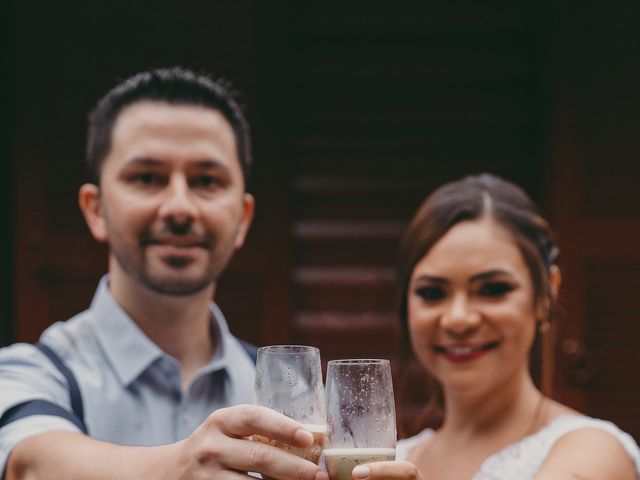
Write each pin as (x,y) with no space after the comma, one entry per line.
(289,380)
(361,415)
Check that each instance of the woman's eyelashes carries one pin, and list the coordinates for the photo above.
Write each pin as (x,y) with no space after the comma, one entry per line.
(491,290)
(496,289)
(430,293)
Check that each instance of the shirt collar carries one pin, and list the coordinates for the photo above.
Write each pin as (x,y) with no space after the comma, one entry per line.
(129,350)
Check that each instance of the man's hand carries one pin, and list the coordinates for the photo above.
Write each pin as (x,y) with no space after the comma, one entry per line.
(220,447)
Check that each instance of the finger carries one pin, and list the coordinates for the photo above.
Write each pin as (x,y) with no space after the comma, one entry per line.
(247,420)
(231,475)
(393,470)
(247,455)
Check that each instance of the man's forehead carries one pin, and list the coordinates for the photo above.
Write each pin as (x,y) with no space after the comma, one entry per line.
(162,131)
(158,113)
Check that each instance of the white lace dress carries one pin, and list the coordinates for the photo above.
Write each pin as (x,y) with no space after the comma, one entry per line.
(523,459)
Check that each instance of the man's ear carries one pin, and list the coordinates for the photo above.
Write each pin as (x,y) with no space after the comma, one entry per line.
(89,201)
(248,205)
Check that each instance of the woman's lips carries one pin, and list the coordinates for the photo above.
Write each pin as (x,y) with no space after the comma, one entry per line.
(464,353)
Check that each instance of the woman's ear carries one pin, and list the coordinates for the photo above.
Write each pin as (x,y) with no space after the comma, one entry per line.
(555,279)
(89,201)
(542,308)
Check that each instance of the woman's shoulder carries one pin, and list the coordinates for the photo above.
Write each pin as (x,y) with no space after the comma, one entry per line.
(546,450)
(583,434)
(404,447)
(564,434)
(583,426)
(579,441)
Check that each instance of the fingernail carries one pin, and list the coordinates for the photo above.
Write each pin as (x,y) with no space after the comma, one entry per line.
(322,475)
(361,471)
(303,437)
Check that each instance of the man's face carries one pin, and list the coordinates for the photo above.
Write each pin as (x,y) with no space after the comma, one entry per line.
(172,204)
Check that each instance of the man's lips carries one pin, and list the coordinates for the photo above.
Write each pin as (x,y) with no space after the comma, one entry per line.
(177,248)
(177,242)
(464,353)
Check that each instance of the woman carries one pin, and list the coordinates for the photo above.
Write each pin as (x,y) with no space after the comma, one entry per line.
(478,282)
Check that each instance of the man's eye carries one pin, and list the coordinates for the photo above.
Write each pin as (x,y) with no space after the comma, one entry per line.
(147,179)
(207,182)
(495,289)
(430,294)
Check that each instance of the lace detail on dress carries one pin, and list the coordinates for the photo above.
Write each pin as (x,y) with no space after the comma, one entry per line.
(523,459)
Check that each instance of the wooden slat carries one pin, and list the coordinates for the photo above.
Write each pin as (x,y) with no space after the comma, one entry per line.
(363,276)
(341,322)
(341,252)
(342,229)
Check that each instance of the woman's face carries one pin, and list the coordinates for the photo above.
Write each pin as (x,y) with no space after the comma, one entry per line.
(471,309)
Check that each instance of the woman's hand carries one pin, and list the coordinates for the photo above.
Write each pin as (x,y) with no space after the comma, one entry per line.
(395,470)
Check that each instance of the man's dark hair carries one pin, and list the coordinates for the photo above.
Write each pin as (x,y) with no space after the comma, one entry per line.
(174,85)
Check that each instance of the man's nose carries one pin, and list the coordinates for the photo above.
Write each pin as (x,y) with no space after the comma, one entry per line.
(178,205)
(460,317)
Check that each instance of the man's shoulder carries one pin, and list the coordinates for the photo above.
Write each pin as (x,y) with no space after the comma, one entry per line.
(250,349)
(73,339)
(62,335)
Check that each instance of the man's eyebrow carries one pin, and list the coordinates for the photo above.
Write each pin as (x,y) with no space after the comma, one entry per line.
(143,162)
(207,163)
(490,274)
(212,163)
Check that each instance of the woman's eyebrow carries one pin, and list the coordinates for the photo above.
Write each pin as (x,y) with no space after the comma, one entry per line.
(490,274)
(431,279)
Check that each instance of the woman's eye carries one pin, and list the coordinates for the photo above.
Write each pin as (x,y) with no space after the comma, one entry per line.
(495,289)
(430,294)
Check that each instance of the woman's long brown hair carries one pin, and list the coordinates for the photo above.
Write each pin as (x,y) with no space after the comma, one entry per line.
(467,199)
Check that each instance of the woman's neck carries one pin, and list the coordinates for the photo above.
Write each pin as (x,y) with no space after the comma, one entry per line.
(512,414)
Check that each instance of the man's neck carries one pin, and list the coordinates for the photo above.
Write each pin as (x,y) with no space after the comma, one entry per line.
(179,325)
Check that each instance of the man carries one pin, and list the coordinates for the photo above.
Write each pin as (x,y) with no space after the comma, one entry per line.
(153,357)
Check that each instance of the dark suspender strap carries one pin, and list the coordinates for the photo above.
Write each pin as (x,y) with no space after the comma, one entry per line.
(44,407)
(40,407)
(74,390)
(251,349)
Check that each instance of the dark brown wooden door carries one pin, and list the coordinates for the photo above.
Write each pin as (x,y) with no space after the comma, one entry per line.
(389,103)
(596,203)
(359,111)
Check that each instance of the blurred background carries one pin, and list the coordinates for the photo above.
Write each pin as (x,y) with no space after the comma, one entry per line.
(359,109)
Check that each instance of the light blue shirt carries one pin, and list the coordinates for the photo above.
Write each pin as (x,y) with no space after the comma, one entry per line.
(131,389)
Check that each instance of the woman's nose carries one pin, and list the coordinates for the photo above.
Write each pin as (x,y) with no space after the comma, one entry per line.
(460,317)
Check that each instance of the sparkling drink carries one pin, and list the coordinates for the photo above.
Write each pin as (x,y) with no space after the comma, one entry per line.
(311,453)
(289,381)
(361,416)
(341,461)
